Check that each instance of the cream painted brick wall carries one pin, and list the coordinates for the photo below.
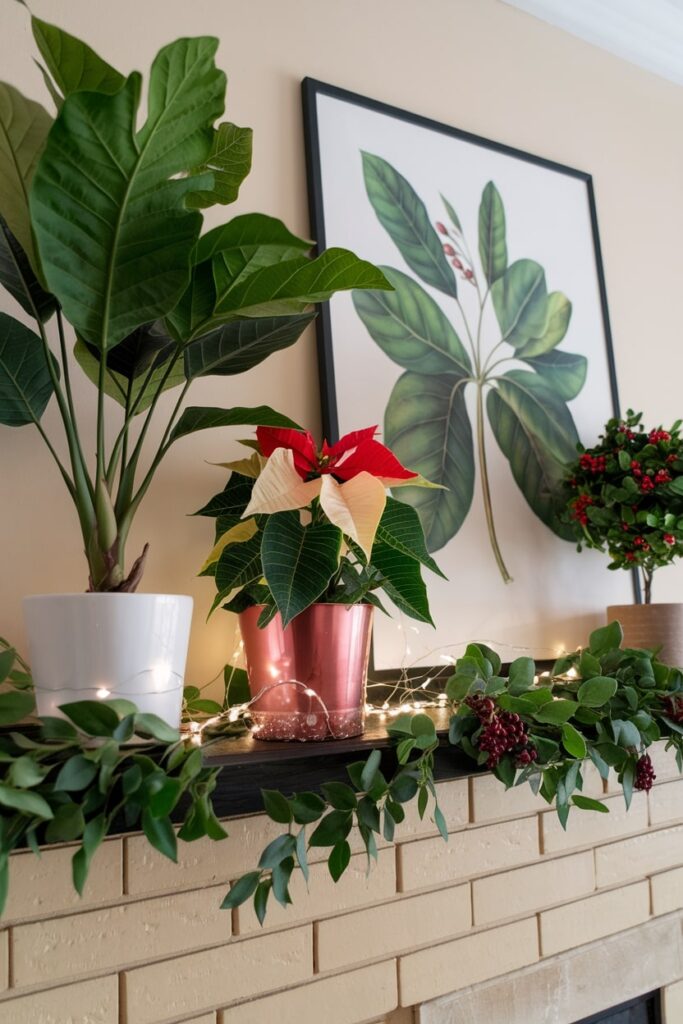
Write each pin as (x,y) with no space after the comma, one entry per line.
(593,918)
(43,887)
(4,960)
(454,803)
(454,965)
(492,802)
(475,851)
(405,1015)
(354,889)
(639,856)
(667,891)
(200,981)
(88,1002)
(663,762)
(673,1003)
(346,999)
(515,893)
(71,946)
(666,803)
(586,828)
(393,927)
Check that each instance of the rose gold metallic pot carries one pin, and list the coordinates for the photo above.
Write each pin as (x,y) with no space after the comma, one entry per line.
(652,625)
(309,679)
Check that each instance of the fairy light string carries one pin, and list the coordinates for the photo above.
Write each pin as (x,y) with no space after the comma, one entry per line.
(412,692)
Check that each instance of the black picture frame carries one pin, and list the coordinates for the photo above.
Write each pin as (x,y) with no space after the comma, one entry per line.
(312,89)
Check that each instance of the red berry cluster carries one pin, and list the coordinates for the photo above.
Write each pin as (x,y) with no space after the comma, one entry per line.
(640,542)
(669,539)
(658,435)
(503,732)
(673,708)
(645,774)
(579,506)
(623,428)
(593,463)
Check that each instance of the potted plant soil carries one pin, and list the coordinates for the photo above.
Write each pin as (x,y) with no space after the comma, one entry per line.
(306,538)
(101,245)
(625,497)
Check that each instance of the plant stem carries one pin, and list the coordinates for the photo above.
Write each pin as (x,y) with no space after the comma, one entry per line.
(647,578)
(485,489)
(69,395)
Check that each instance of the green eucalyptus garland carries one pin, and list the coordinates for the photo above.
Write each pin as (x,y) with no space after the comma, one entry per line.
(77,778)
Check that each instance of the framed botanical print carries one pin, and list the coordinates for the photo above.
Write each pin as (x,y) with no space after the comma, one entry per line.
(483,369)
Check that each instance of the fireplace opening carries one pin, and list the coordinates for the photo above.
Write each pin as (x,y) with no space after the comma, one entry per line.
(643,1010)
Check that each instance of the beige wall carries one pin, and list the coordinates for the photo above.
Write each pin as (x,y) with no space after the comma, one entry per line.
(476,64)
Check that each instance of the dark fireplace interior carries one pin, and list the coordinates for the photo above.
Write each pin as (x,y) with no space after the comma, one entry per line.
(643,1010)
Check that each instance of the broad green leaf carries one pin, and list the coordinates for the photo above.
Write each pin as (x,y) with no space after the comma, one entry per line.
(411,328)
(247,236)
(24,127)
(339,858)
(520,299)
(564,372)
(370,769)
(492,246)
(161,834)
(93,717)
(537,435)
(15,705)
(559,315)
(404,216)
(231,501)
(16,275)
(290,286)
(103,186)
(298,561)
(339,795)
(573,741)
(196,418)
(605,639)
(27,803)
(400,528)
(333,829)
(522,671)
(595,692)
(586,803)
(24,772)
(241,890)
(93,834)
(276,806)
(76,773)
(238,565)
(7,659)
(307,807)
(230,162)
(25,382)
(427,426)
(68,824)
(74,66)
(402,581)
(132,387)
(277,851)
(236,347)
(556,712)
(151,725)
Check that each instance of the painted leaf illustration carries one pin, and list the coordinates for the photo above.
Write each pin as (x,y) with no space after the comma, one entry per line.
(404,216)
(411,328)
(559,315)
(493,251)
(564,372)
(520,299)
(427,426)
(455,220)
(537,435)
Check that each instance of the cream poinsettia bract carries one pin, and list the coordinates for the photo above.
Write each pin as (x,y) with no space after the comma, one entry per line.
(350,479)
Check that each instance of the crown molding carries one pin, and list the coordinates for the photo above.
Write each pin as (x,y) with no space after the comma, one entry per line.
(648,33)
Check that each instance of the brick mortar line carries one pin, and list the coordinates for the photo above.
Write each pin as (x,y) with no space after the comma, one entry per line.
(346,969)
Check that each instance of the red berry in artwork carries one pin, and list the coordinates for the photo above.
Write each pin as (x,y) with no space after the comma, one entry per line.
(441,228)
(456,263)
(449,250)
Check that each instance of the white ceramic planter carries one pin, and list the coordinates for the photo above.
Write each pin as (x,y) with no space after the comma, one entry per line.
(100,646)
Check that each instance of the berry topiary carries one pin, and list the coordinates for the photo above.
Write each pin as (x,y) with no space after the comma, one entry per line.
(625,496)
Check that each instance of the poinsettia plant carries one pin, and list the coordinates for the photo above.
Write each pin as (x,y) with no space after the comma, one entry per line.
(101,226)
(297,524)
(624,496)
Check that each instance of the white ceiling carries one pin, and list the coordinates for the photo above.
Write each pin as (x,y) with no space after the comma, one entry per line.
(645,32)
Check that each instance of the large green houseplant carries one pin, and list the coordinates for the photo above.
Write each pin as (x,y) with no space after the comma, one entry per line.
(101,215)
(101,227)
